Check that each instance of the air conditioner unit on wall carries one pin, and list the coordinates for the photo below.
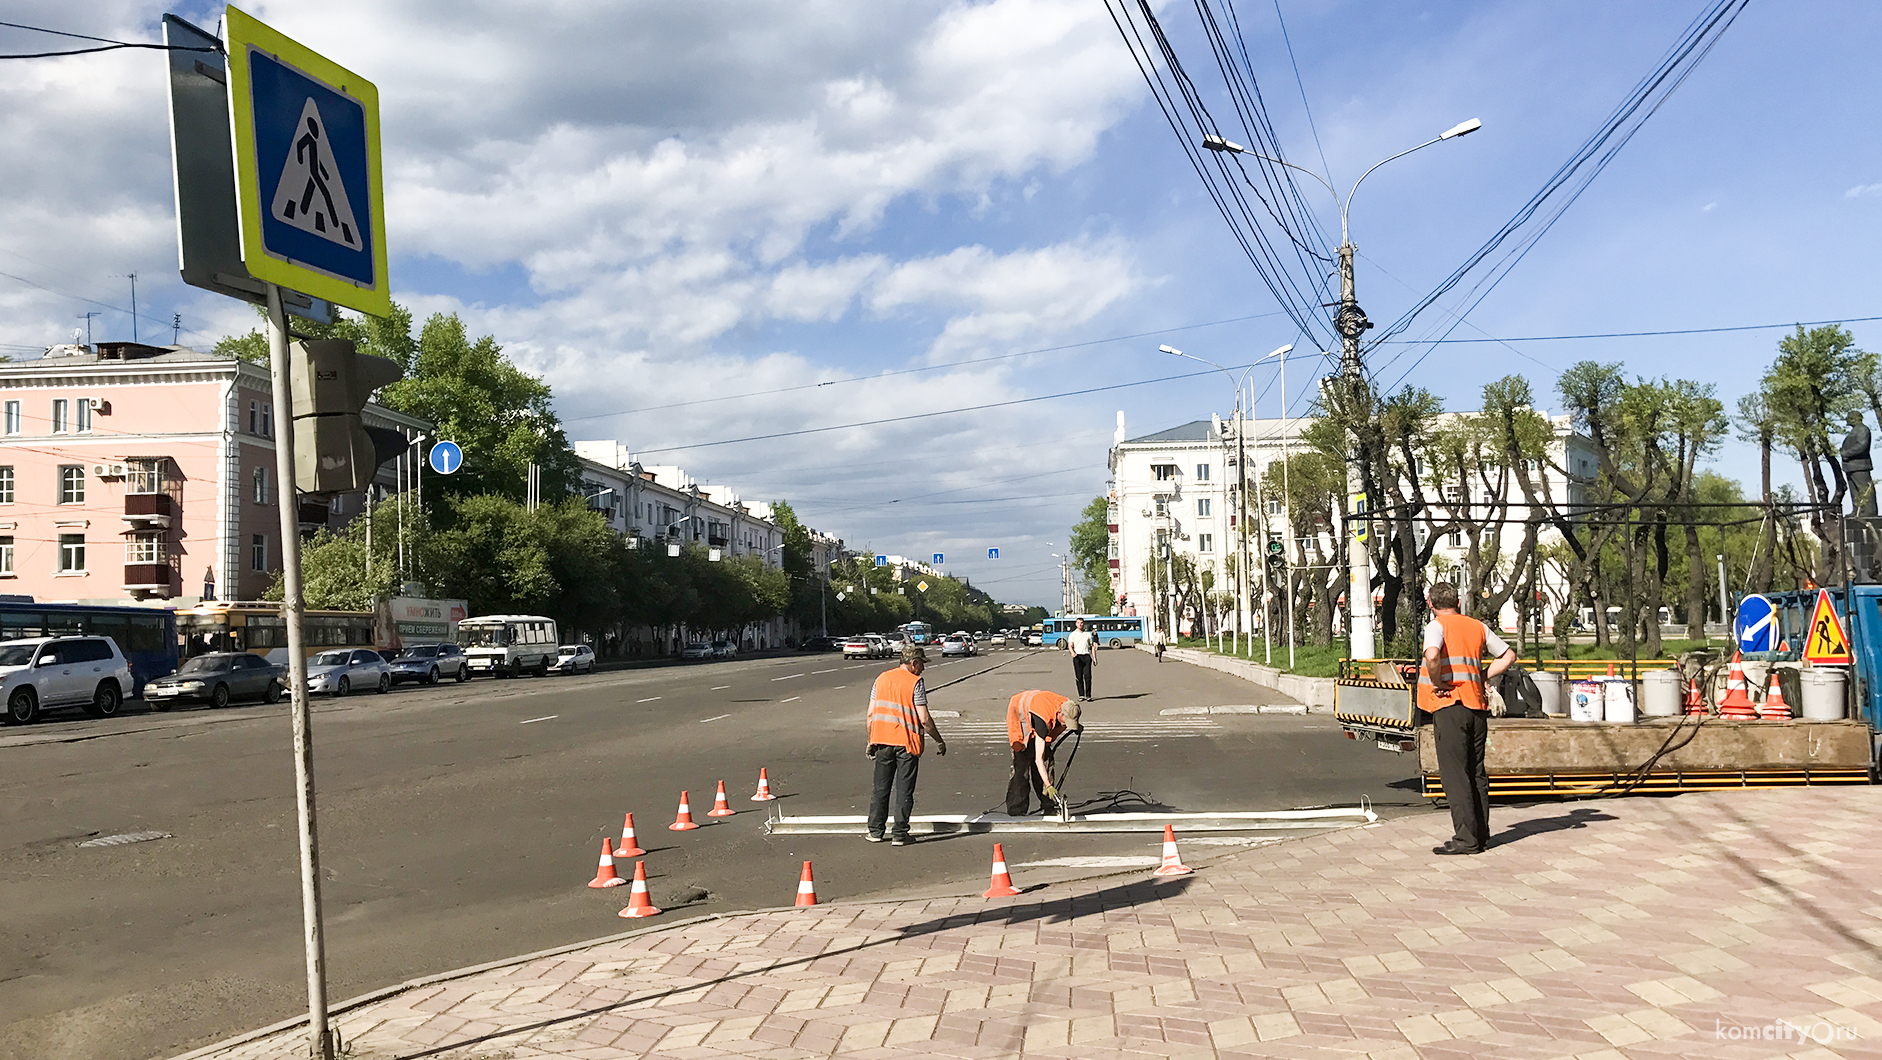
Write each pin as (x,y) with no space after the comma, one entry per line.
(108,470)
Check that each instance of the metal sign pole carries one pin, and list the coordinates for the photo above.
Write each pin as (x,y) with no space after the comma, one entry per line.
(321,1045)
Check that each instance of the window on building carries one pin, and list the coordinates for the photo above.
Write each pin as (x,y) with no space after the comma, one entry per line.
(1274,505)
(1202,507)
(84,415)
(72,484)
(6,484)
(144,475)
(13,417)
(1163,472)
(1163,507)
(145,548)
(254,417)
(1202,472)
(61,415)
(1532,466)
(1205,542)
(71,553)
(258,552)
(1456,496)
(261,483)
(267,419)
(6,554)
(1454,539)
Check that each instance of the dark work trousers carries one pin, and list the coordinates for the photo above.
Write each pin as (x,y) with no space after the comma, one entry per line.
(1026,779)
(1461,733)
(1081,673)
(895,769)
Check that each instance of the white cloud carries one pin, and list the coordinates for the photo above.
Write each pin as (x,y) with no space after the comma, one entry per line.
(1861,190)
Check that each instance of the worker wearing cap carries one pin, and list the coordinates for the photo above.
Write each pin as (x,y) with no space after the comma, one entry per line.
(898,715)
(1034,719)
(1451,687)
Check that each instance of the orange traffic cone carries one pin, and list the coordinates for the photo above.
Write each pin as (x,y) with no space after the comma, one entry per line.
(1002,884)
(1172,865)
(1610,669)
(630,847)
(1775,709)
(1736,705)
(683,822)
(638,903)
(764,787)
(719,806)
(1695,700)
(806,888)
(604,876)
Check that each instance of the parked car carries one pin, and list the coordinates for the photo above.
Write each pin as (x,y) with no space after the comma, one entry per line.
(217,679)
(345,670)
(575,659)
(43,673)
(429,663)
(858,648)
(724,649)
(955,644)
(698,649)
(822,644)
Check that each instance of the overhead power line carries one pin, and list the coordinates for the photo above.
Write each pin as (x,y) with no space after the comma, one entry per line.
(1648,334)
(106,44)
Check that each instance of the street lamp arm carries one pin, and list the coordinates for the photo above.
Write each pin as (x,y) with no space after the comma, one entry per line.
(1362,177)
(1216,143)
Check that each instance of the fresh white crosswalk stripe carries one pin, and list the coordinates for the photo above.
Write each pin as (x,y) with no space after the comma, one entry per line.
(1161,729)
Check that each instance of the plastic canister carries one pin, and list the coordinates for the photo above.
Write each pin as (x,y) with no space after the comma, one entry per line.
(1549,691)
(1618,700)
(1585,701)
(1660,694)
(1823,694)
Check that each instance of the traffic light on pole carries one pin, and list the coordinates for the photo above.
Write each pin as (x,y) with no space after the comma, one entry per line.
(334,452)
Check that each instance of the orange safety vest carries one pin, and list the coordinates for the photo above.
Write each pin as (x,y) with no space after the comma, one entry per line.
(1044,704)
(1462,661)
(892,717)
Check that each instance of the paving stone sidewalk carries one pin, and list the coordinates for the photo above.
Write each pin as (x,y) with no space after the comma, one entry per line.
(1728,925)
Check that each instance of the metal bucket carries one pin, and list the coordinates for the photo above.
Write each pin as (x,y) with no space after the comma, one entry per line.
(1585,701)
(1823,694)
(1549,691)
(1660,694)
(1618,700)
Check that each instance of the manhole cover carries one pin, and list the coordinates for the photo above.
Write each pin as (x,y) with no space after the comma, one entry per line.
(127,837)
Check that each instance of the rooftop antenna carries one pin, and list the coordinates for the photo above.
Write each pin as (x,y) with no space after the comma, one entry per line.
(176,328)
(87,317)
(133,278)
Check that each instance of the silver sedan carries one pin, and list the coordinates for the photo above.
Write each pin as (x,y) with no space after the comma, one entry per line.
(345,670)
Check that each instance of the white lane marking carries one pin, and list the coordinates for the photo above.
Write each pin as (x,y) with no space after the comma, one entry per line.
(786,677)
(721,717)
(1116,862)
(793,699)
(546,717)
(839,688)
(718,688)
(944,713)
(830,671)
(858,666)
(649,699)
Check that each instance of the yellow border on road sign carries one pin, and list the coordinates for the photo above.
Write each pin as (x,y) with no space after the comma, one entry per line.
(1826,642)
(244,31)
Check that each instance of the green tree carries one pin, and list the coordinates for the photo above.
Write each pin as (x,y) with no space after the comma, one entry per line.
(1091,556)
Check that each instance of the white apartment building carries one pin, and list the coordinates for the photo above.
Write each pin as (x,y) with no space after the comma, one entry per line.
(1178,486)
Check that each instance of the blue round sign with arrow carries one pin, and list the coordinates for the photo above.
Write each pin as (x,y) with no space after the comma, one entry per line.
(446,457)
(1756,628)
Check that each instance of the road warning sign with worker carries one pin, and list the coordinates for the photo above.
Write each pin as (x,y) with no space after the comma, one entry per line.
(1827,643)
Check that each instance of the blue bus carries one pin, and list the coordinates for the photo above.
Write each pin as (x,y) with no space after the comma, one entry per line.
(917,632)
(146,635)
(1115,631)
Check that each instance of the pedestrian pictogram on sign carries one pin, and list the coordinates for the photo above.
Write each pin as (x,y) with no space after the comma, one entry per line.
(939,559)
(1827,643)
(311,195)
(993,553)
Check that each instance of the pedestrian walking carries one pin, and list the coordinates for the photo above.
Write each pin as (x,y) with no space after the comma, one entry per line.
(1084,645)
(1156,641)
(898,716)
(1035,720)
(1451,687)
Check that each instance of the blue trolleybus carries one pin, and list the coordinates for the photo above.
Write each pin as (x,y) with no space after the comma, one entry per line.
(918,632)
(1112,631)
(146,635)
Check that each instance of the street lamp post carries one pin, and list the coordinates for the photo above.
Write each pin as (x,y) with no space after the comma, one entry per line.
(1350,321)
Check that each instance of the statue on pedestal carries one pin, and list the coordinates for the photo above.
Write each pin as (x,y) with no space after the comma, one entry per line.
(1857,468)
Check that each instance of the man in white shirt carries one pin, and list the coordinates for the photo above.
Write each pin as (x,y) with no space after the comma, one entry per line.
(1084,645)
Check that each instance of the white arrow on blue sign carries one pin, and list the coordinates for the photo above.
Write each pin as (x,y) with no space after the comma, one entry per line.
(939,559)
(446,457)
(993,553)
(1756,627)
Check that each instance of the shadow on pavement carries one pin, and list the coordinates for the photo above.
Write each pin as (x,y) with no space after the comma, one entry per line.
(1577,818)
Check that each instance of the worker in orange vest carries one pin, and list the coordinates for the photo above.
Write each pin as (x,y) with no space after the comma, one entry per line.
(1034,719)
(1451,686)
(898,715)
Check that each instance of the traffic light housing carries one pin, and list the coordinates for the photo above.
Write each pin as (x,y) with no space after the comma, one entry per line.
(334,452)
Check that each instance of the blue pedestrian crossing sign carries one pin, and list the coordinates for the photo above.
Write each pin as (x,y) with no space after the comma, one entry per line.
(882,561)
(939,559)
(446,457)
(1756,627)
(308,185)
(993,553)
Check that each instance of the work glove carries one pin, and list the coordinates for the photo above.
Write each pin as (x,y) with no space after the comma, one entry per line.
(1052,793)
(940,747)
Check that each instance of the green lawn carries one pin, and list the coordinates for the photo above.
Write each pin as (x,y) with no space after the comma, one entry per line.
(1313,661)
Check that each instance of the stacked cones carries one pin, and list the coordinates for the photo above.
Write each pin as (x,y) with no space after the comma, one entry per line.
(764,788)
(1001,885)
(1736,705)
(806,888)
(1775,709)
(1172,865)
(719,806)
(683,822)
(604,875)
(630,847)
(638,902)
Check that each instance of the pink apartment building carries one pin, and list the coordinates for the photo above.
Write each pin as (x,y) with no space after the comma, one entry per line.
(146,473)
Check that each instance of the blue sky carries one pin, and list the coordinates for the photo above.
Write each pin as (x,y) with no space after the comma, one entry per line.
(660,207)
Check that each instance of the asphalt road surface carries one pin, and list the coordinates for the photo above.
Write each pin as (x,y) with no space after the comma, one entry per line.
(460,824)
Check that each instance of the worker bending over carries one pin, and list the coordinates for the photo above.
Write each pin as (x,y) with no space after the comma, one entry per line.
(1034,720)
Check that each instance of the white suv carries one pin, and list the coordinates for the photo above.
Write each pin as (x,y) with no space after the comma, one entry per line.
(47,672)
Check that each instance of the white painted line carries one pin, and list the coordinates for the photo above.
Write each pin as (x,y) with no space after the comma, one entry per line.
(839,688)
(1112,862)
(546,717)
(1274,708)
(793,699)
(721,717)
(649,699)
(829,671)
(786,677)
(858,666)
(1169,712)
(944,713)
(718,688)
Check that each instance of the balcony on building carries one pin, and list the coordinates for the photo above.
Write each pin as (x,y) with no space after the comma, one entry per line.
(153,511)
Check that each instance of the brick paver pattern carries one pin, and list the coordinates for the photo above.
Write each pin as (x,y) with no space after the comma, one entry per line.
(1728,925)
